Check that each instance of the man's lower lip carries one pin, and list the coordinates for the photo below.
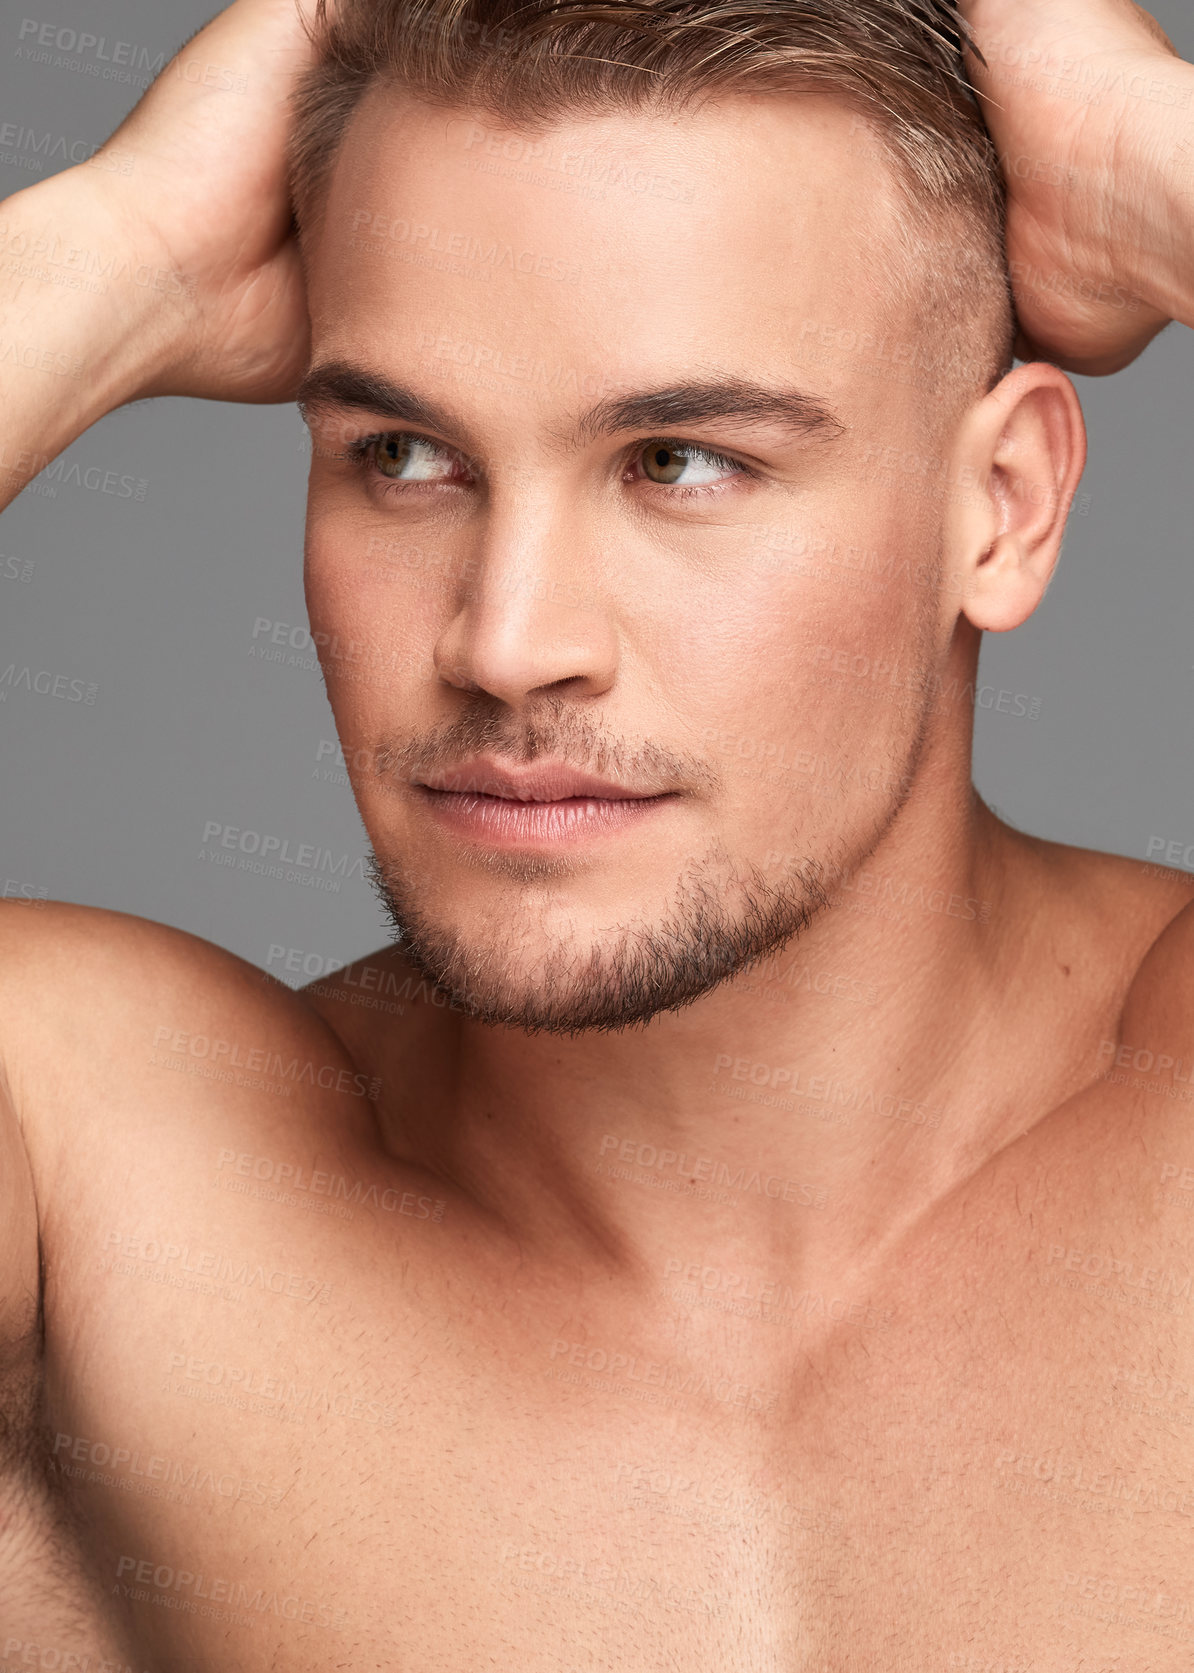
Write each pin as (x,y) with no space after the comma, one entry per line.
(508,824)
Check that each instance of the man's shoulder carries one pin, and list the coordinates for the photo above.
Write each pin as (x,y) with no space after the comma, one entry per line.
(1129,914)
(52,952)
(1106,944)
(1158,1014)
(1145,914)
(1138,929)
(90,996)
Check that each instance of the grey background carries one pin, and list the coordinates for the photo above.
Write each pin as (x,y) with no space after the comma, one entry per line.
(154,601)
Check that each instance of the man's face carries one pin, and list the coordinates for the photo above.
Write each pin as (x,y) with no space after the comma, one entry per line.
(688,600)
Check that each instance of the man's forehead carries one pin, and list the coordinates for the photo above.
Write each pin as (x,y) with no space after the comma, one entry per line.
(711,246)
(787,163)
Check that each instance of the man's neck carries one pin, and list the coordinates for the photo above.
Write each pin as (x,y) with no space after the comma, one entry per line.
(797,1118)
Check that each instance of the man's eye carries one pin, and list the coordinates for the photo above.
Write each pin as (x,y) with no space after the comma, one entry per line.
(410,458)
(669,462)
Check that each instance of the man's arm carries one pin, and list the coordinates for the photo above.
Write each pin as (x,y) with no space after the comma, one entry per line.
(174,272)
(70,355)
(166,265)
(35,1558)
(18,1264)
(1092,113)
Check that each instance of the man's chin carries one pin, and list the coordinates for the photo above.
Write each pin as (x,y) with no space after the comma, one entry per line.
(716,926)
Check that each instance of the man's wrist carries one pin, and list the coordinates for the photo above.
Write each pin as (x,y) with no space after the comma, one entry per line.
(85,296)
(1159,260)
(1176,278)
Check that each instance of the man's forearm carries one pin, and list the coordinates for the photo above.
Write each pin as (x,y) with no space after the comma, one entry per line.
(1149,167)
(1176,274)
(82,328)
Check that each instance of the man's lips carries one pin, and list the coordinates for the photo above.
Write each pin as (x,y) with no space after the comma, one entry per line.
(545,781)
(546,807)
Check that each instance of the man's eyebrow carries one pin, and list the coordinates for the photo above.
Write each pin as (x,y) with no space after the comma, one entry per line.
(696,401)
(341,384)
(337,383)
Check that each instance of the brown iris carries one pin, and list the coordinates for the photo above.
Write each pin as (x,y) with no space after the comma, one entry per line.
(391,454)
(663,463)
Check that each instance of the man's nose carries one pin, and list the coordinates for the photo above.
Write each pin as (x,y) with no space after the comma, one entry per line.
(534,616)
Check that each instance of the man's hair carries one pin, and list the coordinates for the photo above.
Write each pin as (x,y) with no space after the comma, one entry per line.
(528,63)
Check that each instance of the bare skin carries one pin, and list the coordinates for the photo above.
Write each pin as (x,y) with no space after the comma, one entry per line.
(1080,97)
(837,1320)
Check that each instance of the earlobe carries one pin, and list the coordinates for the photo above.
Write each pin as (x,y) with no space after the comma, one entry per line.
(1019,453)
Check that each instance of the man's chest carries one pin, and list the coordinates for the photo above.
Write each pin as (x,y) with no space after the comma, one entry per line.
(320,1438)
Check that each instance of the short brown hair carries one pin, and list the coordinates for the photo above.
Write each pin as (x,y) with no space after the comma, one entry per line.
(526,63)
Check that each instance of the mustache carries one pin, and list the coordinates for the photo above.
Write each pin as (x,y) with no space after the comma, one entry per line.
(555,730)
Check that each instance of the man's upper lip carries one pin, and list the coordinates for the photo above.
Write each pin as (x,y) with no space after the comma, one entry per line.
(545,781)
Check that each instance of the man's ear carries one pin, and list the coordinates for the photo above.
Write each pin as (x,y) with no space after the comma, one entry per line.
(1018,457)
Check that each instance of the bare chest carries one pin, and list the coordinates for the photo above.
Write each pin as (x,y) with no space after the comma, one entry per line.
(277,1432)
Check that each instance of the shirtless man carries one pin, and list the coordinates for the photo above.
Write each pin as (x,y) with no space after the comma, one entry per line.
(746,1225)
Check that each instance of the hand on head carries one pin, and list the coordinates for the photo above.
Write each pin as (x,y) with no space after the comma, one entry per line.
(1082,99)
(207,197)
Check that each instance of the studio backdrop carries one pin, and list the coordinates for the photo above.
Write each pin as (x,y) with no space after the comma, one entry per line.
(159,689)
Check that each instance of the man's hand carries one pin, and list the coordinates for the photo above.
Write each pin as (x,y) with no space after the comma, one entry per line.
(181,224)
(206,199)
(1087,103)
